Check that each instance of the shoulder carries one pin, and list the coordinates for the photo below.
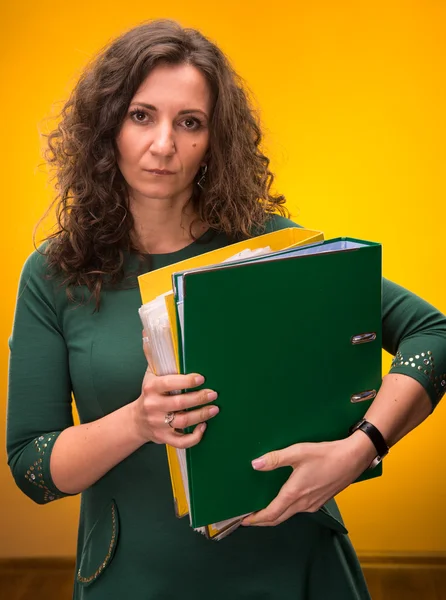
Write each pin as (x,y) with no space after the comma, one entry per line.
(36,265)
(36,277)
(276,222)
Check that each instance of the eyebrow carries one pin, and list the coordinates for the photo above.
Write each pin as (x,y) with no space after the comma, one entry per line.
(181,112)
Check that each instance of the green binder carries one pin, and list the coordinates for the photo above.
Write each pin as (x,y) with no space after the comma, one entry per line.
(292,344)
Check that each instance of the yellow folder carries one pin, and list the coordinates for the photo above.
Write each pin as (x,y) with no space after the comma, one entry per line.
(158,282)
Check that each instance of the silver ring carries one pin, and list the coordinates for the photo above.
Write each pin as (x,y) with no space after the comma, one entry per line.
(168,419)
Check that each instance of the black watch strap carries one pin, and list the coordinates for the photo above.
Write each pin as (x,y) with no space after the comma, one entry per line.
(376,437)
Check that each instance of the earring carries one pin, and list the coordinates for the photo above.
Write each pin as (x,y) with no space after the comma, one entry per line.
(202,179)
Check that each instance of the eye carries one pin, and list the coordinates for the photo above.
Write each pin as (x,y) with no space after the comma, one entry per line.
(192,123)
(138,116)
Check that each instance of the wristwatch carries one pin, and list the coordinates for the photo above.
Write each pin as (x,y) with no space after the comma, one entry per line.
(376,437)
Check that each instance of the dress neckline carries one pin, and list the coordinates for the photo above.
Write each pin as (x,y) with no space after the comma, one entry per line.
(204,238)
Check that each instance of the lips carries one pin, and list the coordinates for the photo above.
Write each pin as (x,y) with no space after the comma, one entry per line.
(160,172)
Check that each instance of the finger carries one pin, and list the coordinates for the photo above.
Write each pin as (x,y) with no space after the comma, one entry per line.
(169,383)
(275,509)
(193,417)
(187,440)
(277,458)
(291,510)
(189,400)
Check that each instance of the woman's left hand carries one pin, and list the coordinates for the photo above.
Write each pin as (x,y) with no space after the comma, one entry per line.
(320,471)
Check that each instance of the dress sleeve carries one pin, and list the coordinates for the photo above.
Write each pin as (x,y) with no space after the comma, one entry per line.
(415,333)
(39,387)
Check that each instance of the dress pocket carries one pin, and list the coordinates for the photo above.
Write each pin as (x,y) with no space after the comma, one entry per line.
(100,546)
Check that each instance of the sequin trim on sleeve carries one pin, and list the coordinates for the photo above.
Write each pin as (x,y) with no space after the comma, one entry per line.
(34,474)
(425,363)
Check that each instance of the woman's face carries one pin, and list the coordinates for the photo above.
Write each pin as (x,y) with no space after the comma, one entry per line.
(165,134)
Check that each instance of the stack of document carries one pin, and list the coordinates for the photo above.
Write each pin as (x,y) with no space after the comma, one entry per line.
(162,361)
(290,339)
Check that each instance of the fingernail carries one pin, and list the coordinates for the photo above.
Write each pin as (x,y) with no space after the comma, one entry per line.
(199,380)
(214,410)
(212,396)
(202,427)
(258,463)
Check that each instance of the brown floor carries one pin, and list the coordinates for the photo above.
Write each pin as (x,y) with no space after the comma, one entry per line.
(387,582)
(39,582)
(408,583)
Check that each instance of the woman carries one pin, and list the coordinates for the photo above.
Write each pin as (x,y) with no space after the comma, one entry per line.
(157,159)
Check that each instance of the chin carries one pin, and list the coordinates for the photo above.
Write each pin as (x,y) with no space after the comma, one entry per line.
(156,191)
(160,192)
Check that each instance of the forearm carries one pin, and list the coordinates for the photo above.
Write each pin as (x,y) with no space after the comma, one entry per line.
(400,405)
(321,471)
(82,454)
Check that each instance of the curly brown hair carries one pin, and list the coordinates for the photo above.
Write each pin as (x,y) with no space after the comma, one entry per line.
(94,223)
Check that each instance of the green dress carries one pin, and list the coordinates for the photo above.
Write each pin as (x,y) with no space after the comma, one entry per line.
(130,543)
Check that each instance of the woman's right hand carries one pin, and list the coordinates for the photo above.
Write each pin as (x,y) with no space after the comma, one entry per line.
(150,409)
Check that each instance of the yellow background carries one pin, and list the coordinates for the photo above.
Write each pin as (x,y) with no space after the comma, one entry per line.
(352,96)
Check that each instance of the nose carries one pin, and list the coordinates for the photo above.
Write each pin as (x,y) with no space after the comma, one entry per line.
(163,143)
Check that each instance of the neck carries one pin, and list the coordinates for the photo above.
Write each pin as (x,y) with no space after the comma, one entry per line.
(164,225)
